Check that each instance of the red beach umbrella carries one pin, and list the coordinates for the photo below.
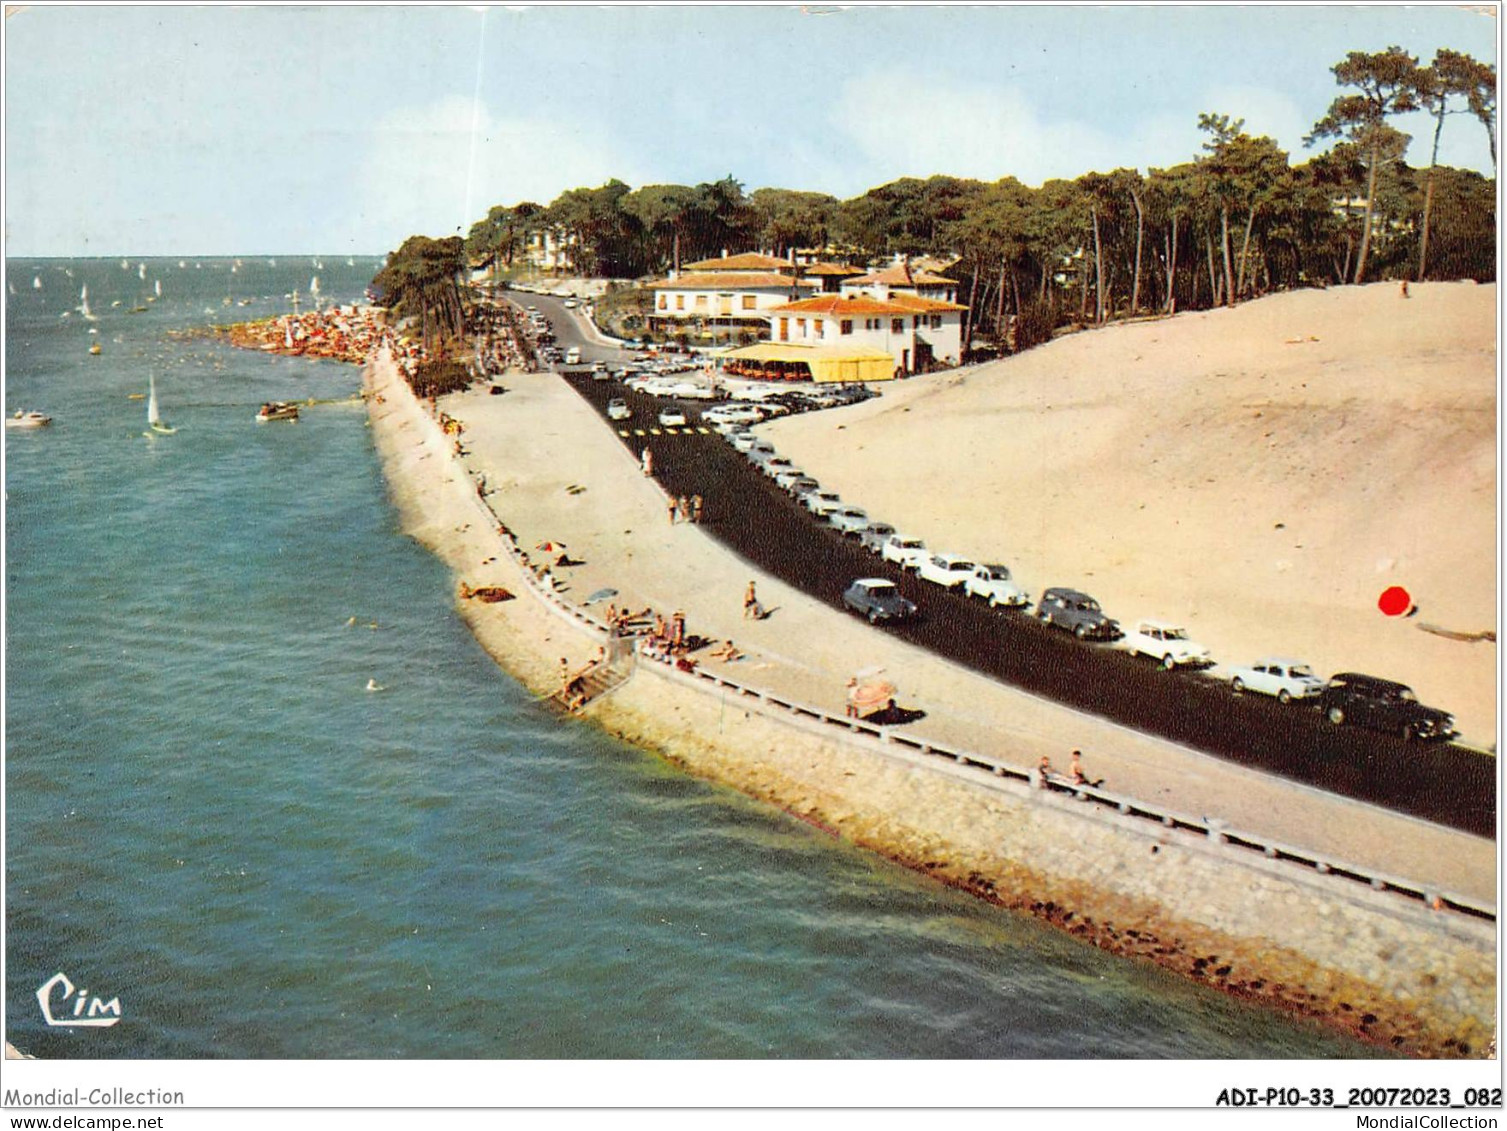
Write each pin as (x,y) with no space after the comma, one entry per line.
(551,547)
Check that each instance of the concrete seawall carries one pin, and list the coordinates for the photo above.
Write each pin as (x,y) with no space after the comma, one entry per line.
(1393,971)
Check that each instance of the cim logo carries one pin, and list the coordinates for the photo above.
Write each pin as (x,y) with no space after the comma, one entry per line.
(87,1012)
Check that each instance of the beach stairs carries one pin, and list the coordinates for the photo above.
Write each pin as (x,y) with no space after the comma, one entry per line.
(606,677)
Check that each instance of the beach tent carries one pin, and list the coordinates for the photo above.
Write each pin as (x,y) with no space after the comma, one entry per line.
(775,360)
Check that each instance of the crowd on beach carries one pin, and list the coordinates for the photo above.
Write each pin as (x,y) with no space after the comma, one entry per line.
(338,333)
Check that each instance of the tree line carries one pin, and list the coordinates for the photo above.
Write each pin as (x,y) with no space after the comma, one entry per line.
(1238,220)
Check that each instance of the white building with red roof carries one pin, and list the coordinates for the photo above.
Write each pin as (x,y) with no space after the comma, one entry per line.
(917,332)
(903,278)
(730,292)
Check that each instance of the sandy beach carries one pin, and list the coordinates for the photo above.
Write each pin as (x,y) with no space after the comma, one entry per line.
(1261,474)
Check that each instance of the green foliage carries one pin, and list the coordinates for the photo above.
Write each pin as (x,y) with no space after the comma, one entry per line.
(436,378)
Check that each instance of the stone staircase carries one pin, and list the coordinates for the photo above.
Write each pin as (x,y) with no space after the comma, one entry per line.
(606,677)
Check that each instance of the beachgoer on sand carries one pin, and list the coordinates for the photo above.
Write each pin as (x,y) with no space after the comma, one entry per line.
(852,708)
(750,602)
(696,505)
(647,458)
(1044,770)
(1075,771)
(674,509)
(683,505)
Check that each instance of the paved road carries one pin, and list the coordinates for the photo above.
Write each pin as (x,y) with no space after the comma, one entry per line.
(746,511)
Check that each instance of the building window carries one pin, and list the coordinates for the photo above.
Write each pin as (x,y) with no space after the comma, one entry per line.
(701,302)
(680,302)
(847,326)
(897,325)
(784,329)
(936,321)
(663,302)
(916,322)
(800,327)
(750,302)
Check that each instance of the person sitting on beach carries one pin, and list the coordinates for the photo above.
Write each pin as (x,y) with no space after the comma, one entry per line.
(725,652)
(852,708)
(1044,770)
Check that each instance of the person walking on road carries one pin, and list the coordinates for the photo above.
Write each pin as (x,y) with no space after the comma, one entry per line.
(674,509)
(648,461)
(696,505)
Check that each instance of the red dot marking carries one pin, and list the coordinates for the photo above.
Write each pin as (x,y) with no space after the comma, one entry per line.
(1394,601)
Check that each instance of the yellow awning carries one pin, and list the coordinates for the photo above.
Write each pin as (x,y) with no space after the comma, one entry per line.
(826,363)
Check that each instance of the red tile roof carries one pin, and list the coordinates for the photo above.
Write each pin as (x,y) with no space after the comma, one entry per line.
(832,269)
(726,281)
(842,306)
(904,276)
(748,261)
(923,305)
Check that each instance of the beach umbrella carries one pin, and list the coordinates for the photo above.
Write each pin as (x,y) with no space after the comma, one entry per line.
(551,547)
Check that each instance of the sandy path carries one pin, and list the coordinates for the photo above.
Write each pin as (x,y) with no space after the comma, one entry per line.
(540,444)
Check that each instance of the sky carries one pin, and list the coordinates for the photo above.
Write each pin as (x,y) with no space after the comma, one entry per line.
(257,130)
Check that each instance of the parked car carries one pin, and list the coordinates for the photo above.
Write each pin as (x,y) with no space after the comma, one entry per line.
(874,535)
(786,476)
(877,599)
(776,464)
(599,373)
(617,409)
(822,503)
(905,551)
(1274,675)
(1166,642)
(848,521)
(800,488)
(946,570)
(742,441)
(1077,612)
(671,418)
(759,451)
(732,414)
(992,582)
(1380,704)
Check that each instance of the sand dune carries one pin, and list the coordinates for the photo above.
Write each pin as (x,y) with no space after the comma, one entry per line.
(1261,473)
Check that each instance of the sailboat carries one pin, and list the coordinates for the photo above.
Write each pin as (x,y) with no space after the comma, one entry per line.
(141,270)
(125,264)
(154,418)
(83,307)
(36,282)
(157,288)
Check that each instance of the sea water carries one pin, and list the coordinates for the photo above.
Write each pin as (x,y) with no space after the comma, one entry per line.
(211,819)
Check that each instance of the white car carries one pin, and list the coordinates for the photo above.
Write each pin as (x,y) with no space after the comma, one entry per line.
(822,503)
(618,410)
(849,521)
(691,390)
(732,414)
(1167,642)
(993,583)
(786,476)
(905,551)
(1286,679)
(671,418)
(742,441)
(946,570)
(777,464)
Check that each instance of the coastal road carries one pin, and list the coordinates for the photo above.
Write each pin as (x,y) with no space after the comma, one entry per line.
(747,512)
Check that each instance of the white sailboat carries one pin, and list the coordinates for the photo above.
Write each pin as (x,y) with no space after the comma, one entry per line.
(157,287)
(154,417)
(83,304)
(36,282)
(141,270)
(125,264)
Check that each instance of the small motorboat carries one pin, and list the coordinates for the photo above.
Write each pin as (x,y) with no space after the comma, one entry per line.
(23,419)
(95,350)
(277,410)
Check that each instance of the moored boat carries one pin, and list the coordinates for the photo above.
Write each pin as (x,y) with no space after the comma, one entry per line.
(23,419)
(277,410)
